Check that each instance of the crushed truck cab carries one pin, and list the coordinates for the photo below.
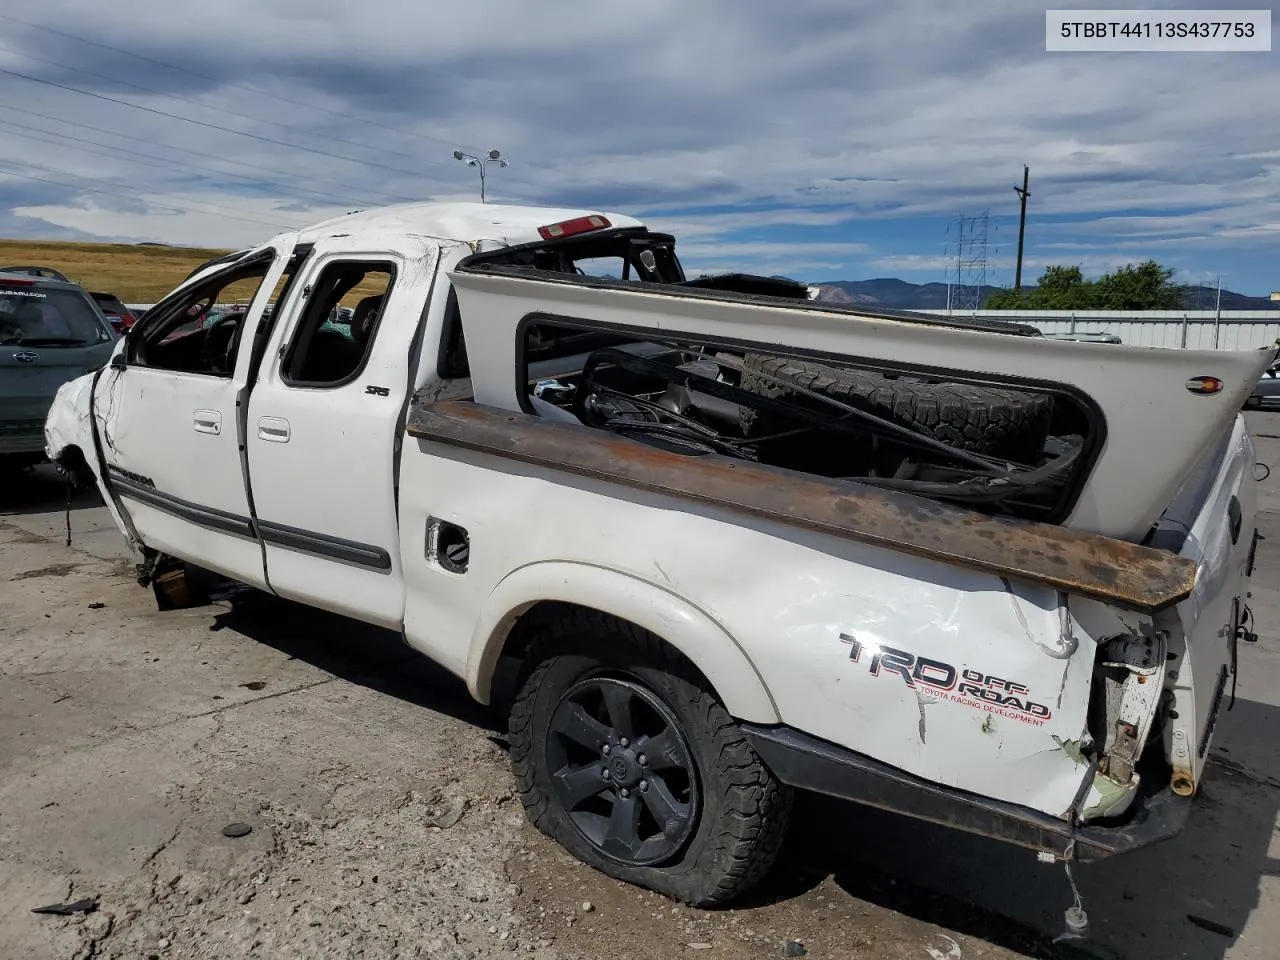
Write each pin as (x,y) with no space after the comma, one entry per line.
(730,541)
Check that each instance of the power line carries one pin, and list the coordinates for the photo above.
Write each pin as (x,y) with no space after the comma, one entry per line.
(211,126)
(230,113)
(242,86)
(133,195)
(263,93)
(196,153)
(164,164)
(139,194)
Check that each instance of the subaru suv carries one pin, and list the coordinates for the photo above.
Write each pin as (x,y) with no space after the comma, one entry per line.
(51,331)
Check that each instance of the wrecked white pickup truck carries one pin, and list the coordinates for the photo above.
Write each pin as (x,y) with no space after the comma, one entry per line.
(733,541)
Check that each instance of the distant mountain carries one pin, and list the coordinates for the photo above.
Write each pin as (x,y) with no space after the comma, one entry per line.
(888,292)
(901,295)
(1204,298)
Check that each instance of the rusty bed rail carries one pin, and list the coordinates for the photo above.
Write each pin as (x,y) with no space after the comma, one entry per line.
(1089,565)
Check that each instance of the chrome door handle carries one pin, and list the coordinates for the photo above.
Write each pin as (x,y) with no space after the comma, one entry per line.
(273,429)
(208,421)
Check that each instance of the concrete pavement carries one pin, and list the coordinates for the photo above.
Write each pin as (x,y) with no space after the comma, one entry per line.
(130,737)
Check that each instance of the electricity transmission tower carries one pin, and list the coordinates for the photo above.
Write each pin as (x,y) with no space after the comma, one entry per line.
(967,277)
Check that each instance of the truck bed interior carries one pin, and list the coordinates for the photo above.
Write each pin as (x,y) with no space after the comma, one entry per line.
(995,449)
(1005,449)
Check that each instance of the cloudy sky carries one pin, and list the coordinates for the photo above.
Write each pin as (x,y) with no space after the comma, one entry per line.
(822,139)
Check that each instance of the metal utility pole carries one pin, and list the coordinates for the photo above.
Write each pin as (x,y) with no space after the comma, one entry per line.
(1023,193)
(1217,314)
(481,162)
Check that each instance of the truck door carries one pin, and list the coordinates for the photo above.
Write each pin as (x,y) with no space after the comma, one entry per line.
(324,419)
(166,408)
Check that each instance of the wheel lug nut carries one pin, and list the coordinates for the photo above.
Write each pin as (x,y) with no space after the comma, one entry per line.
(605,749)
(623,742)
(644,785)
(604,772)
(644,761)
(625,793)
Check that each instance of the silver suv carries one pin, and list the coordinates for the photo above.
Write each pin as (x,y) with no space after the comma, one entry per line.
(51,331)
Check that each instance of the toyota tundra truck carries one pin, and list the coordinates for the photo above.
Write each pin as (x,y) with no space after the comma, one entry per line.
(727,541)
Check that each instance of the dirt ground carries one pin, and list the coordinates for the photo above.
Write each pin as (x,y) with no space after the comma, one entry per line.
(383,822)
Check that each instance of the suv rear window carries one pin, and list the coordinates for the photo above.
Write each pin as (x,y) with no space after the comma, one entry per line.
(48,316)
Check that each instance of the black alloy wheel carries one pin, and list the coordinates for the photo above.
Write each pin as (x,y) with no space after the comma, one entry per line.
(622,771)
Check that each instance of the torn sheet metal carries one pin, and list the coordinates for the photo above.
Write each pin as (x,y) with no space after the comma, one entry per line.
(69,424)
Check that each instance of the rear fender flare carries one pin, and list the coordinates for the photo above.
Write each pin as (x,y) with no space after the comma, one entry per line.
(706,644)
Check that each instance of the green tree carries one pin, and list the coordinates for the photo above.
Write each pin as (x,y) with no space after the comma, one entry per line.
(1003,298)
(1147,286)
(1059,288)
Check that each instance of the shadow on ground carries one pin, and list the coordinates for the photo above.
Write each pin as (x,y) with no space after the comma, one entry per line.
(356,652)
(40,490)
(1140,906)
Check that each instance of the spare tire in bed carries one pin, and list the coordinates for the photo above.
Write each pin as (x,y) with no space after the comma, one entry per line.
(990,420)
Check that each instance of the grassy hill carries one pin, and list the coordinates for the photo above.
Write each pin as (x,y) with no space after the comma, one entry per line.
(134,273)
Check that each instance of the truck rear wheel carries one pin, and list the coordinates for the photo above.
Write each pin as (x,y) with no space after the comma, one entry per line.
(623,756)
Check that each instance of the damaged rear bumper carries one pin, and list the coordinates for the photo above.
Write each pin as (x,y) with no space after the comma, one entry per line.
(808,763)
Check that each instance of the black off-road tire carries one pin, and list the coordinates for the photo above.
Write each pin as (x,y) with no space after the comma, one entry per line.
(990,420)
(741,809)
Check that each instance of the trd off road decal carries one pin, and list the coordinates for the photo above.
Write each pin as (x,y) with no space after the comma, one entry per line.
(973,688)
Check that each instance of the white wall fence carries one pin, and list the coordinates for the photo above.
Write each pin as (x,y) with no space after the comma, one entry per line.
(1192,329)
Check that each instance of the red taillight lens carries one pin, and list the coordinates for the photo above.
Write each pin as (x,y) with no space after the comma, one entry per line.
(16,282)
(567,228)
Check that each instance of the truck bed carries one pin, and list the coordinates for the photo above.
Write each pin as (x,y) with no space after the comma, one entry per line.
(1140,417)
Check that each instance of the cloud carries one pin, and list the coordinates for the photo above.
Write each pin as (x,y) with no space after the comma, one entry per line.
(912,263)
(792,259)
(822,136)
(156,219)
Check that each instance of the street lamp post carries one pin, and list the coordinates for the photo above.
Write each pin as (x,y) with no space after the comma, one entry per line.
(481,162)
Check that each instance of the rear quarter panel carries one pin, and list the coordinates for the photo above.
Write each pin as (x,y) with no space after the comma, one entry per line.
(863,647)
